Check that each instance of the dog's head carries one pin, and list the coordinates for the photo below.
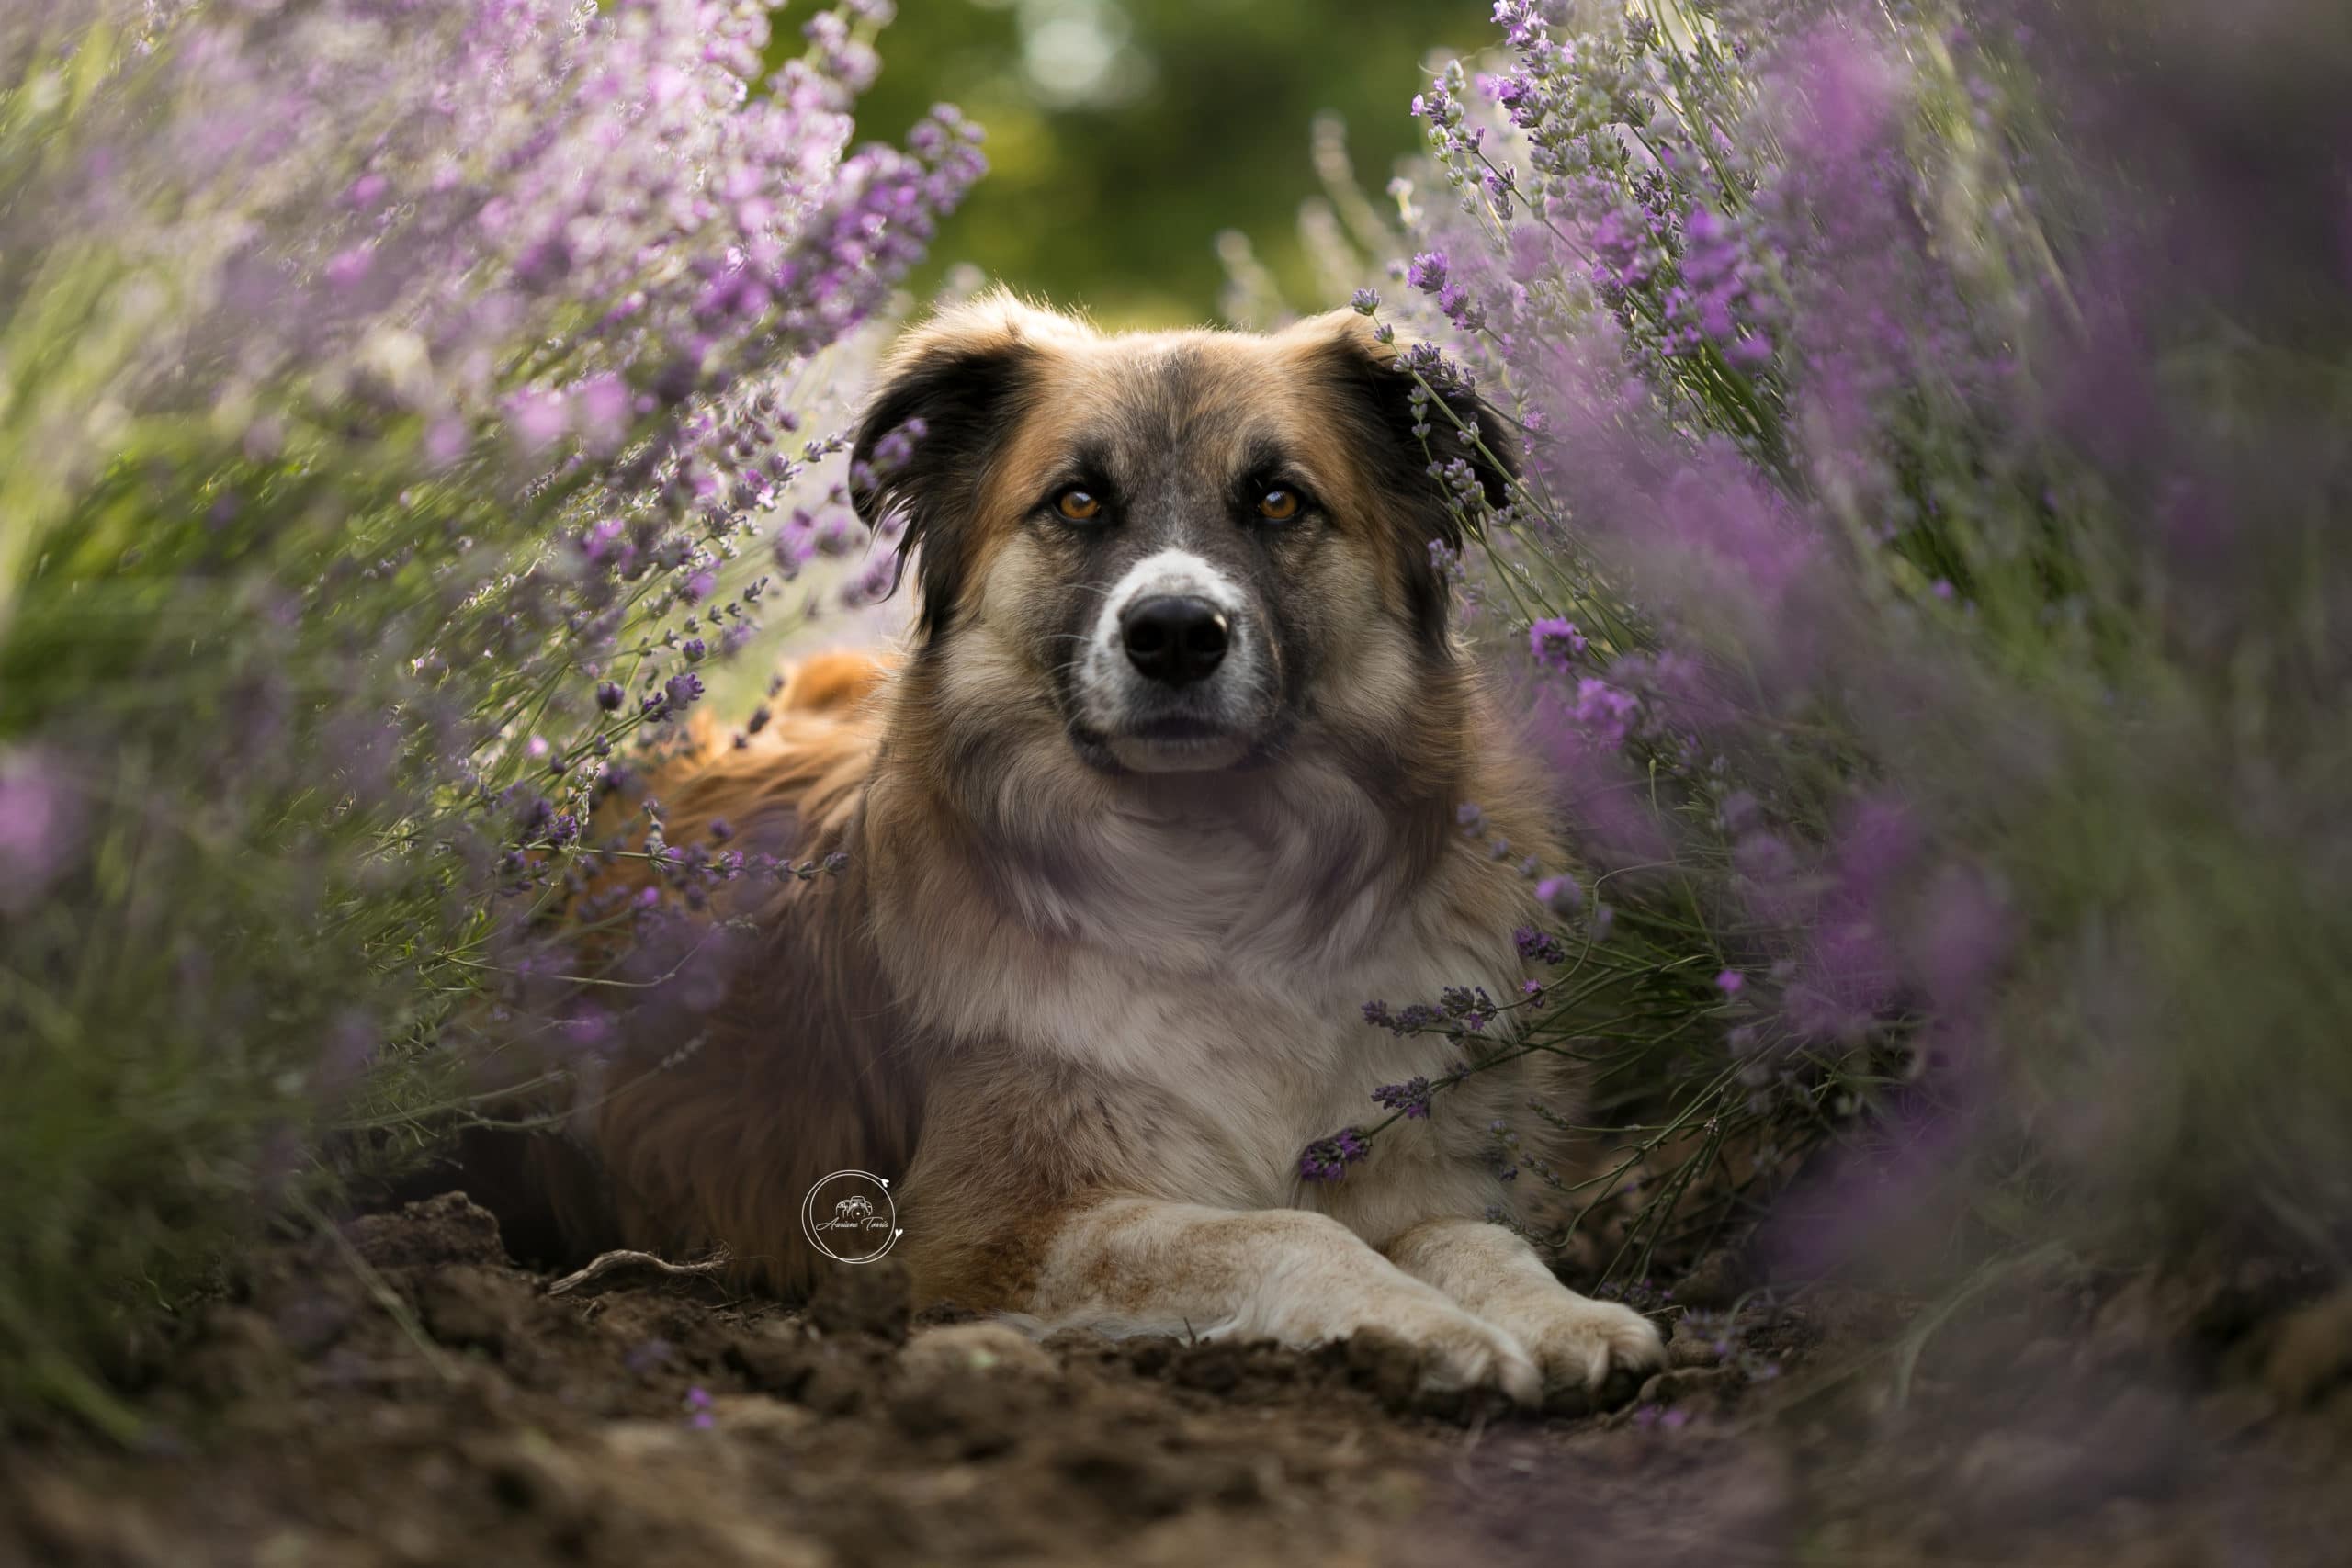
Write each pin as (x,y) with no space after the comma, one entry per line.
(1193,548)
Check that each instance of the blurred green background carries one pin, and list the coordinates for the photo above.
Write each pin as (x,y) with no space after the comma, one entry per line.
(1124,135)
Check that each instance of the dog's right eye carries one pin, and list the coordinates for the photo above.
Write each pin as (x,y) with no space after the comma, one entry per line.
(1079,504)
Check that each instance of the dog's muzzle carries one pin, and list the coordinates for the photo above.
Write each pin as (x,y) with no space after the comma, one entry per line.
(1175,639)
(1171,680)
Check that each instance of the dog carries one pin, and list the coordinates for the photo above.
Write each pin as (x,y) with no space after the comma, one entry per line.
(1162,791)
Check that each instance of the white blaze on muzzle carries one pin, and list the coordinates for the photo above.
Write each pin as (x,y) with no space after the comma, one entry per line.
(1170,573)
(1125,696)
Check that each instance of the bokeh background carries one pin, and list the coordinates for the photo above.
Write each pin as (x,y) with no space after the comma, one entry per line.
(1124,136)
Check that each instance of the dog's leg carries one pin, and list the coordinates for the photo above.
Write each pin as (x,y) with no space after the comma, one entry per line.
(1145,1265)
(1493,1273)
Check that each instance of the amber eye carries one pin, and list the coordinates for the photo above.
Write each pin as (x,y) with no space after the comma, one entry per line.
(1278,505)
(1079,504)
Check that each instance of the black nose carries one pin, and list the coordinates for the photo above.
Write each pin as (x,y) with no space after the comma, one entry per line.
(1174,639)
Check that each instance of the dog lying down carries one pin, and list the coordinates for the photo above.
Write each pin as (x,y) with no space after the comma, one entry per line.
(1162,791)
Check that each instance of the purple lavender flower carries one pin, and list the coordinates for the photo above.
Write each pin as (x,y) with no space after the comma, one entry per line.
(1760,326)
(1539,947)
(1411,1097)
(1459,307)
(1561,895)
(1468,1005)
(1555,642)
(40,826)
(1605,712)
(1327,1160)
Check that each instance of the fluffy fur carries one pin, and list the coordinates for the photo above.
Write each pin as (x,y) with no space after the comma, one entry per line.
(1093,976)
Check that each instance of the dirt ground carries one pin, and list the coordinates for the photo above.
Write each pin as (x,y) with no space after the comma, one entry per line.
(403,1395)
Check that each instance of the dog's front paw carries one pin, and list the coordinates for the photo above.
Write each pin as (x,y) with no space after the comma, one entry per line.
(1581,1344)
(1436,1349)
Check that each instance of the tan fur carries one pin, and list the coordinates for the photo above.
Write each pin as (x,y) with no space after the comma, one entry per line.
(1090,1018)
(797,1073)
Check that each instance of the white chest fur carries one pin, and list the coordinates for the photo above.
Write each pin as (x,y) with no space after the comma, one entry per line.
(1219,1012)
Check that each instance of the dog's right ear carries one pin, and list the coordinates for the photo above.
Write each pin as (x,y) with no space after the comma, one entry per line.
(1374,385)
(948,396)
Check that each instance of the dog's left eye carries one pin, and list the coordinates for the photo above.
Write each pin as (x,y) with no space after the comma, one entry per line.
(1079,504)
(1278,504)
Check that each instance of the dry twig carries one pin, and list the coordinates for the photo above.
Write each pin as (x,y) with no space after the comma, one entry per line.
(610,1262)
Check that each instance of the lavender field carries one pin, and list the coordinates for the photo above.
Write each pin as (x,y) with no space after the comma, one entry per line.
(1922,573)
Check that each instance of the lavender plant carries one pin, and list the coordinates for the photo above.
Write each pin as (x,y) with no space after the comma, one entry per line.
(1927,582)
(402,409)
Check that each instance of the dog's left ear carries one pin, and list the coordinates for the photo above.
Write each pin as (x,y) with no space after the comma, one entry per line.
(949,394)
(1377,386)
